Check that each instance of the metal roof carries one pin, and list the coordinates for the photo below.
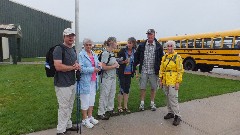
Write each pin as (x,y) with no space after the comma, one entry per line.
(9,30)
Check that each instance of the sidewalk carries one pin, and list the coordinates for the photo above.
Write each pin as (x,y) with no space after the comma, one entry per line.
(219,115)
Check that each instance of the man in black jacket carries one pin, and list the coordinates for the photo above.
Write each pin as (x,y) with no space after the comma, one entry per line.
(149,56)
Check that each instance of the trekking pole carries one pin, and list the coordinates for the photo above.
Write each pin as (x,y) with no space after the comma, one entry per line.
(78,102)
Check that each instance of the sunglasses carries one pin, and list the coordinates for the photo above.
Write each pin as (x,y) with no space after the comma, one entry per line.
(169,46)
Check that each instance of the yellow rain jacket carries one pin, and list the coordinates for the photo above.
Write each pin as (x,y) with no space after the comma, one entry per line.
(171,69)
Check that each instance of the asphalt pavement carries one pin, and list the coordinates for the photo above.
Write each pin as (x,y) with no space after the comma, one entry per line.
(218,115)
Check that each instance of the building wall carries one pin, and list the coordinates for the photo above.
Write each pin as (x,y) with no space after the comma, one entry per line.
(40,30)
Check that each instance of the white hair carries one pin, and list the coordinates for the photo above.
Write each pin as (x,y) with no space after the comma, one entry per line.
(170,42)
(87,40)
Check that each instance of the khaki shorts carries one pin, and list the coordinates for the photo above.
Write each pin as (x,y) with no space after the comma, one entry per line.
(153,79)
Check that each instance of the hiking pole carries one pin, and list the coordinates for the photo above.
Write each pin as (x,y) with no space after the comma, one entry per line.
(78,102)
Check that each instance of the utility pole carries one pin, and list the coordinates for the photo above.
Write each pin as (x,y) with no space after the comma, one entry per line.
(77,45)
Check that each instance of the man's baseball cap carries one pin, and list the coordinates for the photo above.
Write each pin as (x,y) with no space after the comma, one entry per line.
(150,31)
(68,31)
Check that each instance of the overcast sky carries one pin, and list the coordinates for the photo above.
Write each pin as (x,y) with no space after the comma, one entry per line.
(100,19)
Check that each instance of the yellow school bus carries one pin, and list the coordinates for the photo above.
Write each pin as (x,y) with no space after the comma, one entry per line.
(98,48)
(207,50)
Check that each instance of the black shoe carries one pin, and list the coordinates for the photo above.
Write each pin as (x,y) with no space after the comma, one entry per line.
(73,128)
(112,113)
(64,133)
(177,120)
(169,116)
(102,117)
(61,133)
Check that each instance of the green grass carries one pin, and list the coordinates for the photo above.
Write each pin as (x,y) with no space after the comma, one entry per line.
(28,102)
(29,60)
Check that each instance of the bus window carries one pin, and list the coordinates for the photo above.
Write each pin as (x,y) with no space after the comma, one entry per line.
(184,43)
(164,44)
(178,44)
(217,42)
(207,43)
(198,43)
(237,43)
(227,42)
(121,45)
(190,43)
(204,58)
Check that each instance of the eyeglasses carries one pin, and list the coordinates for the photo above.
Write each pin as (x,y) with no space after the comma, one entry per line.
(169,46)
(88,44)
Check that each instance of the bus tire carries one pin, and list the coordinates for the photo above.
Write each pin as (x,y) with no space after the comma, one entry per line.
(189,64)
(206,68)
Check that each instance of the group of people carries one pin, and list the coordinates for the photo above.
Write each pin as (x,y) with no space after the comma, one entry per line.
(164,70)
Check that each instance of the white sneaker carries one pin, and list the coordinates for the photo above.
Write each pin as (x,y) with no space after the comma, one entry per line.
(153,107)
(141,107)
(93,121)
(87,123)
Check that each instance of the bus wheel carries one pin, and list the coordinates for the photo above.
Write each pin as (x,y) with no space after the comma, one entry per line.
(189,64)
(206,68)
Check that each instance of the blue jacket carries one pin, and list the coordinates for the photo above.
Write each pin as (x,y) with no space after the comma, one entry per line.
(86,71)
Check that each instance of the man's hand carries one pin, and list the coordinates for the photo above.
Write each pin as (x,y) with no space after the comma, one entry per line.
(76,66)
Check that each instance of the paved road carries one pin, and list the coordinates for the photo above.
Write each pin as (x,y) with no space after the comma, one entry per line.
(217,115)
(226,71)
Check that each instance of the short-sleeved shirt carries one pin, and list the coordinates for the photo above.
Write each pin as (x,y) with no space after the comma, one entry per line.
(104,59)
(149,58)
(65,79)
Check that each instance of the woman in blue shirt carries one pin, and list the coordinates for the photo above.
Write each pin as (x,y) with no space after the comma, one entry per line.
(88,82)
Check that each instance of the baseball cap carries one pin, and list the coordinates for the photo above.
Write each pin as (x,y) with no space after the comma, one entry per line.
(68,31)
(150,31)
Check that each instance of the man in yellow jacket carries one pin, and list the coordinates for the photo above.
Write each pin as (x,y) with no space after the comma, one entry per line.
(170,75)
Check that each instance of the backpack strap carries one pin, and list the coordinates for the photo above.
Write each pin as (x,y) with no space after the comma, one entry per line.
(174,58)
(165,58)
(109,57)
(63,54)
(168,63)
(63,51)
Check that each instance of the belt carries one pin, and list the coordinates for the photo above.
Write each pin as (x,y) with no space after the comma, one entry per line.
(170,71)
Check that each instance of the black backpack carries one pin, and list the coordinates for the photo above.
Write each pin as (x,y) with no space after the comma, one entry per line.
(100,58)
(49,63)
